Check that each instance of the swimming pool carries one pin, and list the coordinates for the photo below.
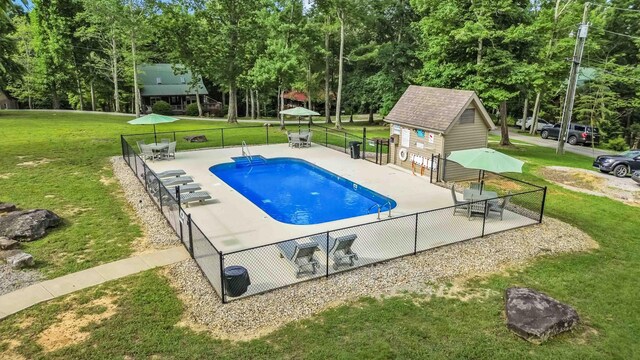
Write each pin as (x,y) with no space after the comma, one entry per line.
(294,191)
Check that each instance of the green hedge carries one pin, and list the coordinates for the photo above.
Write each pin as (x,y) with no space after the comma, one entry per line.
(162,108)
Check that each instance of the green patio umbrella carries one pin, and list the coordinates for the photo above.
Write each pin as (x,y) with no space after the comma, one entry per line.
(486,159)
(299,112)
(153,119)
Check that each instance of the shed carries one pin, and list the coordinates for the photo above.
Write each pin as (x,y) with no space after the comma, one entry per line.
(7,101)
(430,121)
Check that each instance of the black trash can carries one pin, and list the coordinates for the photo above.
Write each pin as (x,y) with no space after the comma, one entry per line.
(355,149)
(236,280)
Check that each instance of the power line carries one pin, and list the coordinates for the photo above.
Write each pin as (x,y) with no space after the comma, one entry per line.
(620,34)
(615,8)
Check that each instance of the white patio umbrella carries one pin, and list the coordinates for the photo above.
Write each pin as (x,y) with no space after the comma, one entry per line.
(153,119)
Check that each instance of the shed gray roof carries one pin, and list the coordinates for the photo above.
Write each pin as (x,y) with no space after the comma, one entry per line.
(434,108)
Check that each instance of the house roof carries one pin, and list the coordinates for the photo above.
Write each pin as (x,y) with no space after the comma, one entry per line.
(295,95)
(170,83)
(434,108)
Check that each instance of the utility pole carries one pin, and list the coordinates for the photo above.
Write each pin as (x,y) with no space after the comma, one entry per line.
(567,111)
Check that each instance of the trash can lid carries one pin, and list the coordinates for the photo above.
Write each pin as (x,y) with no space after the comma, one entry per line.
(355,142)
(234,270)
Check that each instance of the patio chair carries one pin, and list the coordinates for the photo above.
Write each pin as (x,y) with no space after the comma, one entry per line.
(165,141)
(200,196)
(475,186)
(459,205)
(175,181)
(147,153)
(140,142)
(339,247)
(497,207)
(300,255)
(307,141)
(170,152)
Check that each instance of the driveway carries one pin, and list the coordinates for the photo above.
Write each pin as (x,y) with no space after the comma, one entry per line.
(537,140)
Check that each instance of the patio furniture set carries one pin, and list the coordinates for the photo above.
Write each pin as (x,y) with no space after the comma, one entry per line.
(174,180)
(473,202)
(165,149)
(299,139)
(301,255)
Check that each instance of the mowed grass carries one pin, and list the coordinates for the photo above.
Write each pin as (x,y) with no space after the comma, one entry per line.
(59,161)
(602,285)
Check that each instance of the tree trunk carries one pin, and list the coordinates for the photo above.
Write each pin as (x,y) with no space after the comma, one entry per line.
(253,104)
(370,114)
(232,114)
(281,96)
(30,103)
(536,111)
(525,112)
(224,100)
(93,96)
(309,86)
(278,104)
(246,103)
(340,72)
(257,105)
(55,98)
(351,117)
(479,54)
(198,102)
(136,90)
(504,130)
(114,74)
(327,78)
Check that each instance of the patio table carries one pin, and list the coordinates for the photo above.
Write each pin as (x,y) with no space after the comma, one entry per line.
(475,195)
(158,148)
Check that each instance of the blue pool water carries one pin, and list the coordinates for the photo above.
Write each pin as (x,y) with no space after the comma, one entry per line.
(294,191)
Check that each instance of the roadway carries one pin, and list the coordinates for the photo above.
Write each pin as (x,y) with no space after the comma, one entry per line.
(537,140)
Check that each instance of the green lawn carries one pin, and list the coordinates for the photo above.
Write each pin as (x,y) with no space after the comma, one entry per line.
(97,225)
(602,285)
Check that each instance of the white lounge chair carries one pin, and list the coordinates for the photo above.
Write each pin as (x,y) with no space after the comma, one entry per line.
(170,173)
(339,248)
(175,181)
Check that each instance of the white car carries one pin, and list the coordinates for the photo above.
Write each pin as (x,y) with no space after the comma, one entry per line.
(541,123)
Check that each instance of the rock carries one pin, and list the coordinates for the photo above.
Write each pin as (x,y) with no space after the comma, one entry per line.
(7,207)
(20,260)
(7,244)
(27,225)
(537,317)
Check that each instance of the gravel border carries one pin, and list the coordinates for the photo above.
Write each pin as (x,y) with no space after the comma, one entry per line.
(12,280)
(258,315)
(158,234)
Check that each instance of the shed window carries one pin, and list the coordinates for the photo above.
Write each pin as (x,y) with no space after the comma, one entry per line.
(468,116)
(183,80)
(158,80)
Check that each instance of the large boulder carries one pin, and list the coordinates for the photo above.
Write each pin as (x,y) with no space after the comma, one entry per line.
(27,225)
(20,260)
(537,317)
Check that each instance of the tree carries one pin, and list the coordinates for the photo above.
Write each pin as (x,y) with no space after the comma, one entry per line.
(9,67)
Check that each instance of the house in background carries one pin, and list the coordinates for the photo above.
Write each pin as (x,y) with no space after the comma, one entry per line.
(7,101)
(294,98)
(159,82)
(430,121)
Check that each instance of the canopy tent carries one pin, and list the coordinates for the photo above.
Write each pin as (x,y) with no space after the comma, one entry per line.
(299,112)
(487,160)
(152,119)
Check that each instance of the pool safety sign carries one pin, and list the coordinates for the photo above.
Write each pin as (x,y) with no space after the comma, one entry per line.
(432,138)
(404,141)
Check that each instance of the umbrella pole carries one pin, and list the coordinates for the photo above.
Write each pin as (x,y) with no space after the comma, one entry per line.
(299,124)
(155,137)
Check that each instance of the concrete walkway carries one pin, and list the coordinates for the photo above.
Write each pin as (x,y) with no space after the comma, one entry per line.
(550,143)
(19,300)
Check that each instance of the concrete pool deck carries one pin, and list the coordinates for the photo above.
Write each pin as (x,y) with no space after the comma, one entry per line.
(232,222)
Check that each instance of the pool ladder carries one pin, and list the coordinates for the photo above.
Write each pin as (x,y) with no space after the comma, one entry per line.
(245,151)
(380,208)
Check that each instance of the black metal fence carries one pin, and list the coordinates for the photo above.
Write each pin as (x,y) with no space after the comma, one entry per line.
(375,150)
(270,266)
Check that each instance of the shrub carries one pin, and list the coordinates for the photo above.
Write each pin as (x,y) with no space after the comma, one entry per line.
(192,110)
(162,108)
(617,144)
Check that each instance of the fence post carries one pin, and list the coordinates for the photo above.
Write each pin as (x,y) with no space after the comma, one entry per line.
(326,137)
(159,193)
(415,240)
(146,184)
(122,145)
(431,170)
(223,295)
(222,137)
(174,136)
(484,215)
(190,235)
(544,198)
(327,253)
(364,143)
(267,126)
(135,163)
(345,142)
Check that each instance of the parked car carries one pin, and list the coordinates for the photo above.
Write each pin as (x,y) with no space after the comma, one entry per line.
(636,176)
(541,123)
(621,165)
(578,134)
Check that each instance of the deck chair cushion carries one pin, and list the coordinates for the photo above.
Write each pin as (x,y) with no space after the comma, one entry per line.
(292,249)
